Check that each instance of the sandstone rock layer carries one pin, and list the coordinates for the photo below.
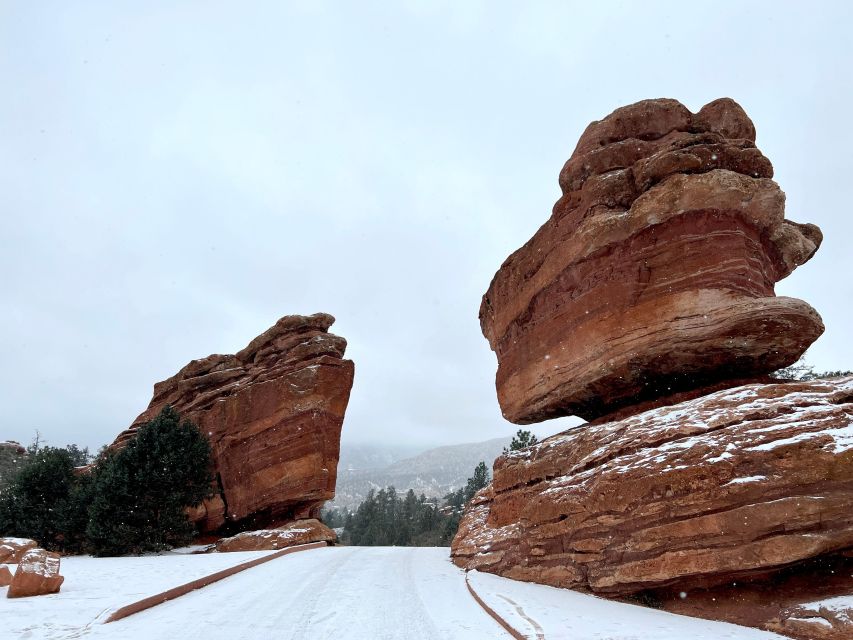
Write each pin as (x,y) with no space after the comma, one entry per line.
(37,574)
(294,533)
(736,484)
(13,549)
(655,272)
(273,413)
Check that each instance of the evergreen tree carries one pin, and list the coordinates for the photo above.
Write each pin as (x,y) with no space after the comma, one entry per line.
(521,440)
(140,493)
(386,518)
(43,501)
(801,370)
(79,457)
(476,482)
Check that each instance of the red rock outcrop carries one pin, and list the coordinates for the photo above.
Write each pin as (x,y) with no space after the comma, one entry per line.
(37,574)
(810,602)
(294,533)
(5,576)
(655,272)
(734,485)
(273,413)
(13,549)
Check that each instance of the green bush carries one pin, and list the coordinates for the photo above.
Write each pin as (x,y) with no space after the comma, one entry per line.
(131,501)
(140,493)
(44,501)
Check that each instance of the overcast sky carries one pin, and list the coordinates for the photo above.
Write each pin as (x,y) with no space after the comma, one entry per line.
(175,176)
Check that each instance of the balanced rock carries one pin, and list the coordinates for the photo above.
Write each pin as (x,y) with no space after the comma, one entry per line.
(298,532)
(273,414)
(656,271)
(37,574)
(739,483)
(13,549)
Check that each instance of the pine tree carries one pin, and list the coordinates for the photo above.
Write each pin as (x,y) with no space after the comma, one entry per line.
(42,502)
(521,440)
(140,493)
(476,482)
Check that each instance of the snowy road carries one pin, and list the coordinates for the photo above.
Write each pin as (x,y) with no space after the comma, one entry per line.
(340,593)
(355,593)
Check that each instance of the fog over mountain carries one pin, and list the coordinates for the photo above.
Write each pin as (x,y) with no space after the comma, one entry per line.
(434,472)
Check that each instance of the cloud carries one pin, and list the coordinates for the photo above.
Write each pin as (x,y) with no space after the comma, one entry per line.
(174,179)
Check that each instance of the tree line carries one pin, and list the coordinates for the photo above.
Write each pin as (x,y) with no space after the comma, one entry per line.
(132,500)
(386,518)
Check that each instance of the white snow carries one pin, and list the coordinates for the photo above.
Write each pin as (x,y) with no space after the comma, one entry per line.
(94,587)
(814,620)
(17,541)
(840,606)
(347,593)
(842,437)
(40,564)
(538,611)
(746,479)
(355,593)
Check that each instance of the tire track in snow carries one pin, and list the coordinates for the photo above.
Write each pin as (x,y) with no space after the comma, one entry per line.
(540,632)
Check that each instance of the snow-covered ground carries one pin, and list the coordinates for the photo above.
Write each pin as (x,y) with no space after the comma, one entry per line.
(538,611)
(340,593)
(95,587)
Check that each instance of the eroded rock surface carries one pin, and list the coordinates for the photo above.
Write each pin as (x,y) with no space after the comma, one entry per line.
(294,533)
(13,549)
(813,601)
(273,413)
(37,574)
(655,272)
(736,484)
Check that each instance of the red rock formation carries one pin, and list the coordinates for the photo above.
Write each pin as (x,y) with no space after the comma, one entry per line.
(5,576)
(294,533)
(273,413)
(731,486)
(655,272)
(37,574)
(13,549)
(810,602)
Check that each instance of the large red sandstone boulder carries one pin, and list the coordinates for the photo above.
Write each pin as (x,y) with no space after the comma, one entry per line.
(734,485)
(655,272)
(5,576)
(13,549)
(273,413)
(37,574)
(812,602)
(298,532)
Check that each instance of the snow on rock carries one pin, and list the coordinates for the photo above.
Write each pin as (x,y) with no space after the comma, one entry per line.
(37,574)
(739,482)
(827,619)
(94,587)
(12,549)
(294,533)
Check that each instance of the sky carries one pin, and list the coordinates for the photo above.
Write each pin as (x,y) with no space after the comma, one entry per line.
(176,176)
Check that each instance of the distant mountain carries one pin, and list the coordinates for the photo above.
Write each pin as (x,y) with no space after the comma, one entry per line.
(365,456)
(434,472)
